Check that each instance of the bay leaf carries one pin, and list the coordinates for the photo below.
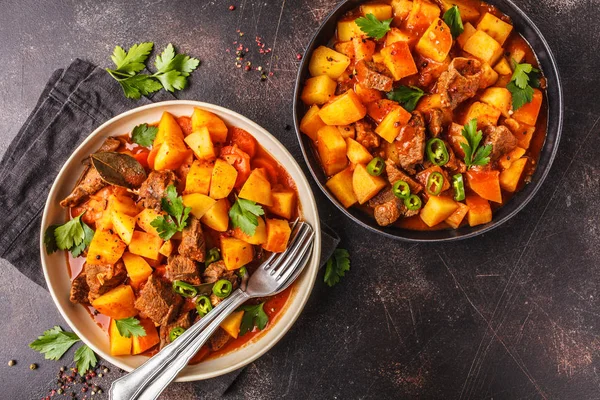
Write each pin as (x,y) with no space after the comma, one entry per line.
(119,169)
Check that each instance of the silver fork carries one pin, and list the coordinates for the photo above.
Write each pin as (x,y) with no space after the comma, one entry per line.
(273,276)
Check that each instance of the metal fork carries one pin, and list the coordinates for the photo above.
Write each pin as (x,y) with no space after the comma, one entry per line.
(273,276)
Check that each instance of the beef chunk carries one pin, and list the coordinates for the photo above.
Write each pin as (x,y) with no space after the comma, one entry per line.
(374,75)
(394,174)
(218,339)
(79,289)
(460,82)
(181,268)
(192,242)
(102,278)
(501,139)
(215,272)
(365,134)
(89,184)
(154,187)
(387,208)
(110,144)
(410,142)
(183,321)
(429,70)
(157,301)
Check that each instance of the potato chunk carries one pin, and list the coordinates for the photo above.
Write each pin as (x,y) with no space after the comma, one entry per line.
(236,253)
(391,125)
(480,211)
(259,237)
(318,90)
(436,42)
(217,217)
(498,97)
(198,178)
(365,185)
(215,125)
(341,186)
(311,123)
(528,114)
(343,110)
(326,61)
(485,114)
(222,180)
(106,248)
(381,11)
(201,144)
(510,177)
(421,15)
(145,245)
(495,27)
(278,235)
(437,209)
(119,345)
(484,47)
(284,202)
(332,149)
(138,269)
(257,188)
(117,303)
(199,203)
(347,29)
(486,184)
(357,153)
(399,60)
(143,343)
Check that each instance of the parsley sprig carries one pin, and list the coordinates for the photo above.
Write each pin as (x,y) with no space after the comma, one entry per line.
(454,21)
(74,236)
(244,215)
(337,266)
(177,215)
(522,82)
(172,69)
(474,154)
(373,27)
(144,134)
(407,96)
(254,315)
(129,327)
(85,359)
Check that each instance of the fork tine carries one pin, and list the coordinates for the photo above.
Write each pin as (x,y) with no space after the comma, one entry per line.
(292,248)
(275,259)
(303,238)
(297,259)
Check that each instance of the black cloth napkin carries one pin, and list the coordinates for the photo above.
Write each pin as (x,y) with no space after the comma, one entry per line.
(74,102)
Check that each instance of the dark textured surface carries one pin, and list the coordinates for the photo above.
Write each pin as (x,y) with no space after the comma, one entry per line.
(511,314)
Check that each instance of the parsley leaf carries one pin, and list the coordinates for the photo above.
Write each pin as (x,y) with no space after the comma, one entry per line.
(337,266)
(373,27)
(144,135)
(454,21)
(87,239)
(173,69)
(74,235)
(50,240)
(132,61)
(474,155)
(244,215)
(522,82)
(136,86)
(54,343)
(254,315)
(85,359)
(128,327)
(176,220)
(408,96)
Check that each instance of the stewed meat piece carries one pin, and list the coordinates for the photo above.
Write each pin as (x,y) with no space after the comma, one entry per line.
(394,174)
(460,82)
(154,187)
(366,135)
(102,278)
(410,142)
(387,208)
(183,321)
(79,289)
(374,75)
(218,339)
(181,268)
(110,144)
(87,186)
(215,272)
(501,139)
(157,301)
(192,242)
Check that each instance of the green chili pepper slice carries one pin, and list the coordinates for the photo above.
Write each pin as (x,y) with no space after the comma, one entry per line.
(222,288)
(413,203)
(435,182)
(203,305)
(437,152)
(184,289)
(242,272)
(212,256)
(175,333)
(458,184)
(401,190)
(375,166)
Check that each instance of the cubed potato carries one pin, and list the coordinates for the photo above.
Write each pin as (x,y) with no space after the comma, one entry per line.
(222,179)
(489,77)
(199,203)
(503,67)
(217,217)
(480,211)
(469,30)
(326,61)
(284,203)
(381,11)
(357,153)
(341,186)
(257,188)
(167,127)
(497,97)
(343,110)
(367,95)
(528,114)
(468,12)
(138,269)
(106,248)
(486,183)
(278,235)
(122,204)
(167,248)
(429,102)
(119,345)
(503,81)
(123,225)
(484,47)
(318,90)
(201,144)
(397,35)
(145,245)
(421,15)
(495,27)
(399,60)
(236,253)
(347,29)
(379,109)
(311,123)
(144,220)
(144,343)
(510,177)
(365,185)
(215,125)
(485,114)
(458,216)
(198,178)
(523,132)
(517,53)
(232,323)
(437,209)
(378,58)
(436,42)
(117,303)
(259,237)
(347,131)
(171,154)
(506,160)
(401,9)
(391,125)
(332,150)
(346,48)
(363,49)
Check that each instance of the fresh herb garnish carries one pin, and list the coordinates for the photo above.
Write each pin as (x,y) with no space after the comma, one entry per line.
(474,155)
(144,135)
(373,27)
(54,343)
(177,215)
(84,359)
(522,82)
(454,21)
(407,96)
(337,266)
(244,215)
(172,70)
(128,327)
(254,315)
(74,235)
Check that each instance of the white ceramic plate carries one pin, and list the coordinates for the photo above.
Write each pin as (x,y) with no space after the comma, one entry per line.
(56,269)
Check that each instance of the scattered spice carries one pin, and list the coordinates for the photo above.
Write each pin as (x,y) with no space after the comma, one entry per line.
(231,7)
(33,366)
(11,363)
(298,56)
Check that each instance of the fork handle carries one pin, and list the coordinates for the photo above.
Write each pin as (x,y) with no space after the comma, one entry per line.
(151,378)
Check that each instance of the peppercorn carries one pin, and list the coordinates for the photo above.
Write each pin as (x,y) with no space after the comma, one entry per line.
(11,363)
(263,77)
(100,375)
(99,391)
(62,369)
(106,370)
(298,56)
(231,7)
(33,366)
(60,391)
